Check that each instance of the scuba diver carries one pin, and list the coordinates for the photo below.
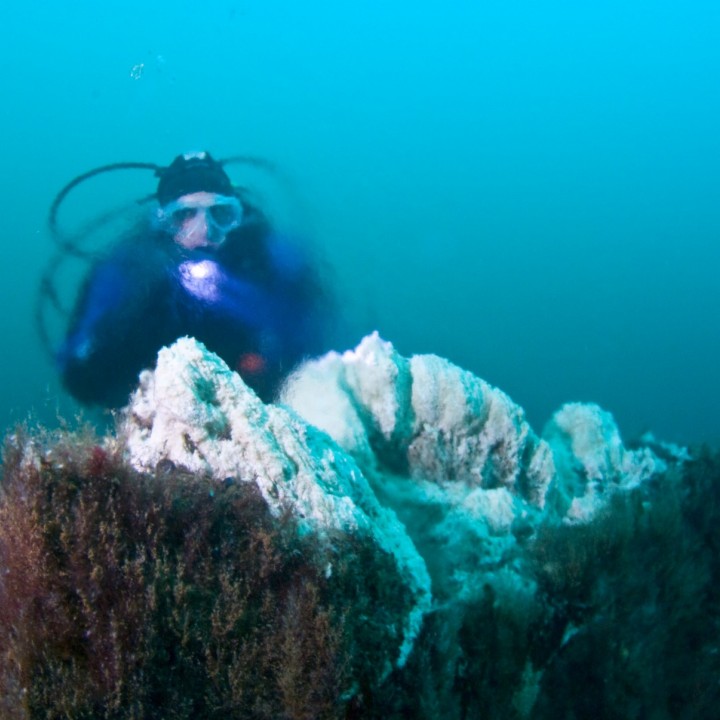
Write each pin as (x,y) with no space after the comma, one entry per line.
(205,262)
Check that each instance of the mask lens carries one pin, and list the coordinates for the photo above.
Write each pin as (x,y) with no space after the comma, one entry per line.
(226,215)
(181,214)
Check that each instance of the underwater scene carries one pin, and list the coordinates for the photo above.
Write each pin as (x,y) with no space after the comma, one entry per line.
(360,360)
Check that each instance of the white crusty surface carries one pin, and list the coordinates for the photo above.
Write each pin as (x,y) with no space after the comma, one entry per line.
(436,466)
(456,458)
(193,411)
(448,427)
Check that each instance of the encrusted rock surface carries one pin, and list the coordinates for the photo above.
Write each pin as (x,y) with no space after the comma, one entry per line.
(456,458)
(427,461)
(194,412)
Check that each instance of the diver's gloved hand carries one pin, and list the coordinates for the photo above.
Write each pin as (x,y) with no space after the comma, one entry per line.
(205,280)
(202,279)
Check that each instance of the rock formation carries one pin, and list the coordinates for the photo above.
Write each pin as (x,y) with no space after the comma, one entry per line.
(455,562)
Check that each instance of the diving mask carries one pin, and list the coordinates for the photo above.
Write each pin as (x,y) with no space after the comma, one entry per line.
(222,212)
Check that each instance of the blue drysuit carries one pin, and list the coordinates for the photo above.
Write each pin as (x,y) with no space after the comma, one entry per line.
(254,301)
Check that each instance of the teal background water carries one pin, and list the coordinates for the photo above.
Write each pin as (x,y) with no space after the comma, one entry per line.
(529,189)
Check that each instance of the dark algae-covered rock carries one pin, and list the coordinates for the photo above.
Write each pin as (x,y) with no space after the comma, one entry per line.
(126,595)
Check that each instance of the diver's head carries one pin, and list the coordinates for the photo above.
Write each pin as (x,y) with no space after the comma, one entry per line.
(198,204)
(191,173)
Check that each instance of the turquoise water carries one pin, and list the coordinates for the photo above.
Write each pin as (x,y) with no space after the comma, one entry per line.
(527,188)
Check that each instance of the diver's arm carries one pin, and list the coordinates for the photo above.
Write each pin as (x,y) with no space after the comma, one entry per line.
(102,297)
(258,281)
(115,331)
(278,300)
